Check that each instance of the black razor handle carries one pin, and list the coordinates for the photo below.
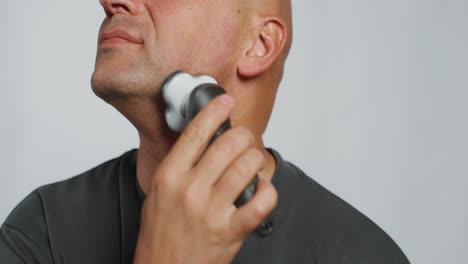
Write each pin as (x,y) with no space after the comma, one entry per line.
(198,98)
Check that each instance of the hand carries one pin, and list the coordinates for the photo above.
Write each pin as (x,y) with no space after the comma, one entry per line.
(189,215)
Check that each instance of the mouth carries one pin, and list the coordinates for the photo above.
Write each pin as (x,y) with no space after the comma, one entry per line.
(118,37)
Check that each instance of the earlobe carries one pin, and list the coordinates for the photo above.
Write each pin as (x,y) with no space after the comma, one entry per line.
(266,48)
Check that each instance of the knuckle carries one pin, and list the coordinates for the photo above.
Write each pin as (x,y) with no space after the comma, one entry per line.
(164,186)
(240,169)
(186,196)
(206,223)
(194,132)
(244,135)
(256,156)
(262,207)
(215,110)
(252,161)
(225,145)
(260,211)
(216,227)
(155,187)
(162,180)
(238,138)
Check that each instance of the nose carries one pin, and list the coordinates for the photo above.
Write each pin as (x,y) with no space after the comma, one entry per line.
(129,7)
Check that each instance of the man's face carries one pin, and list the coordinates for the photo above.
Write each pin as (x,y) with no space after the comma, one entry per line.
(142,41)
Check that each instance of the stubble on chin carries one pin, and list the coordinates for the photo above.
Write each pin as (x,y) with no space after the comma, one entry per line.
(120,79)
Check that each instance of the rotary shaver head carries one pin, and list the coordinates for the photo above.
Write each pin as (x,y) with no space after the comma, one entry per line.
(176,90)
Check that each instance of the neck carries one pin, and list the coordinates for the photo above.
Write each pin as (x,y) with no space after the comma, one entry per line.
(150,154)
(156,139)
(154,149)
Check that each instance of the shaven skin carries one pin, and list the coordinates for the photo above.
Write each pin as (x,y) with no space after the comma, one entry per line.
(188,215)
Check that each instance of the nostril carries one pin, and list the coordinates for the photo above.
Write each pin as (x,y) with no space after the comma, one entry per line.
(119,7)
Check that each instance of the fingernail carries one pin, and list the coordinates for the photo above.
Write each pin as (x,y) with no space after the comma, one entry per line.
(226,99)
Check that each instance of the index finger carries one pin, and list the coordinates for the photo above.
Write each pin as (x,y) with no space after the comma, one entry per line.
(195,137)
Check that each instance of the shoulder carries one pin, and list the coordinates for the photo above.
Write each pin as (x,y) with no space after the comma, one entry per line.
(86,189)
(71,193)
(42,217)
(23,236)
(334,228)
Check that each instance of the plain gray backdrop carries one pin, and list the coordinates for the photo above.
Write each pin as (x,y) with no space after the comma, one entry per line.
(373,106)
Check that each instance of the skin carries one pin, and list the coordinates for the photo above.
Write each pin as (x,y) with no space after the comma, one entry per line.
(190,189)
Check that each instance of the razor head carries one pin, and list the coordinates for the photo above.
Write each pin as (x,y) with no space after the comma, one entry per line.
(176,90)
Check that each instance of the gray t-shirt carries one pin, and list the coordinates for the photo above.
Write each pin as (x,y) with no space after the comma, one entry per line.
(95,217)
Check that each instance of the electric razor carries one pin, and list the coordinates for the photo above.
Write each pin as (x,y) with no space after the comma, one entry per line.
(185,95)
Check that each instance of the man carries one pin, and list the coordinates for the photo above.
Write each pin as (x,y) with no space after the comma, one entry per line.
(171,201)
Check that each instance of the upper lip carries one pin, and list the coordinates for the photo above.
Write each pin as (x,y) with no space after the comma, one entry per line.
(118,33)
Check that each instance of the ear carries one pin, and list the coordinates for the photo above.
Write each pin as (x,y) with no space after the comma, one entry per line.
(265,48)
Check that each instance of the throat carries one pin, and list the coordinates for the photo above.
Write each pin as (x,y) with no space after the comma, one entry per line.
(150,155)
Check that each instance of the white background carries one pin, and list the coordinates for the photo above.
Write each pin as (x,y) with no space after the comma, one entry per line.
(373,106)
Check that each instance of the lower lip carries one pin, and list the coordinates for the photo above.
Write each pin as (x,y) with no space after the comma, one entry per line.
(114,42)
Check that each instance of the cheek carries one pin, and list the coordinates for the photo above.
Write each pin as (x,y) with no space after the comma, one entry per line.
(221,40)
(192,39)
(215,47)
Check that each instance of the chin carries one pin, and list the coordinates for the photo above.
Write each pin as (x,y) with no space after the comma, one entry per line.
(111,85)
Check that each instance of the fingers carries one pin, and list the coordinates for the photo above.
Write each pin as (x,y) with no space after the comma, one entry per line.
(249,216)
(222,172)
(222,153)
(195,137)
(238,176)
